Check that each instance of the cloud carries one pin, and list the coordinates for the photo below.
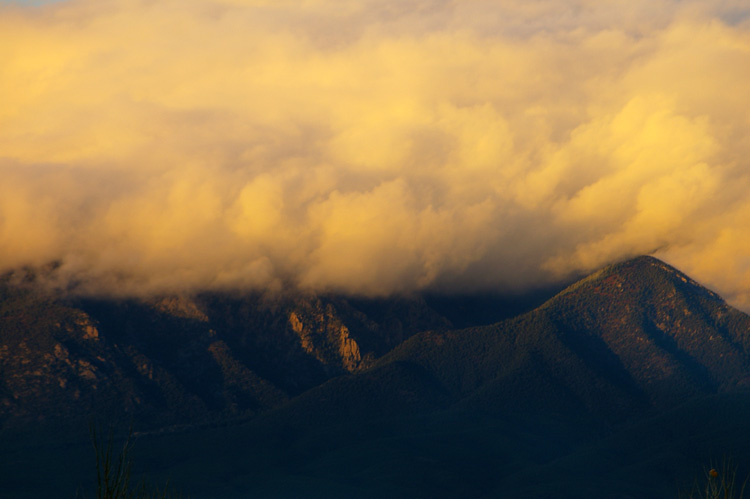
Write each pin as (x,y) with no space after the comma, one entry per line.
(372,147)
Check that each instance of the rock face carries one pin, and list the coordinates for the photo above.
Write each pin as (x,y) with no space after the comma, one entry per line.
(349,351)
(320,331)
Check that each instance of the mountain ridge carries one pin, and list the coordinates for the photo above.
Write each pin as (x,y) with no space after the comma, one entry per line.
(620,354)
(181,359)
(642,333)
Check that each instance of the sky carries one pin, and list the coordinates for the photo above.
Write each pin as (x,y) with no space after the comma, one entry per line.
(372,147)
(33,3)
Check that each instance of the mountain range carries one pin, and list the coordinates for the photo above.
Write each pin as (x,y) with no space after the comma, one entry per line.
(622,384)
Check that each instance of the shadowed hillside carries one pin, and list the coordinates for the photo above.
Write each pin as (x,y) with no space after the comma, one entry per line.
(634,336)
(194,359)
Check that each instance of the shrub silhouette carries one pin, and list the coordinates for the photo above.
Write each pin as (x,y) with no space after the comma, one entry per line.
(114,470)
(719,483)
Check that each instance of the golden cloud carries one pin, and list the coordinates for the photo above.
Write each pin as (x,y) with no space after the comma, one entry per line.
(370,147)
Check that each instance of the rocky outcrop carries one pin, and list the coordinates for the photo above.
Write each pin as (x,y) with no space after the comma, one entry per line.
(349,350)
(323,335)
(179,306)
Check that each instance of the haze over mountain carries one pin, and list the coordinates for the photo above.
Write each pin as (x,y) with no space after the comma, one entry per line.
(343,397)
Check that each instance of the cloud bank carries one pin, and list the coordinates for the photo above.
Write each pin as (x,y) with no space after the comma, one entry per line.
(373,147)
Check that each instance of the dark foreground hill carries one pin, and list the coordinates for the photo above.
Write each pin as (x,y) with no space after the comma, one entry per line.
(621,385)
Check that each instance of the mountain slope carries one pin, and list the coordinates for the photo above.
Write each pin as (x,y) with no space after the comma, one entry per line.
(187,359)
(633,336)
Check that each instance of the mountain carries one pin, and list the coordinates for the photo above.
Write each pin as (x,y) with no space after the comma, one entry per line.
(621,385)
(179,359)
(636,335)
(632,350)
(630,339)
(186,360)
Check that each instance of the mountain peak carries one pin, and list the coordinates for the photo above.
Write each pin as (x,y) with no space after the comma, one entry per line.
(646,263)
(671,334)
(642,274)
